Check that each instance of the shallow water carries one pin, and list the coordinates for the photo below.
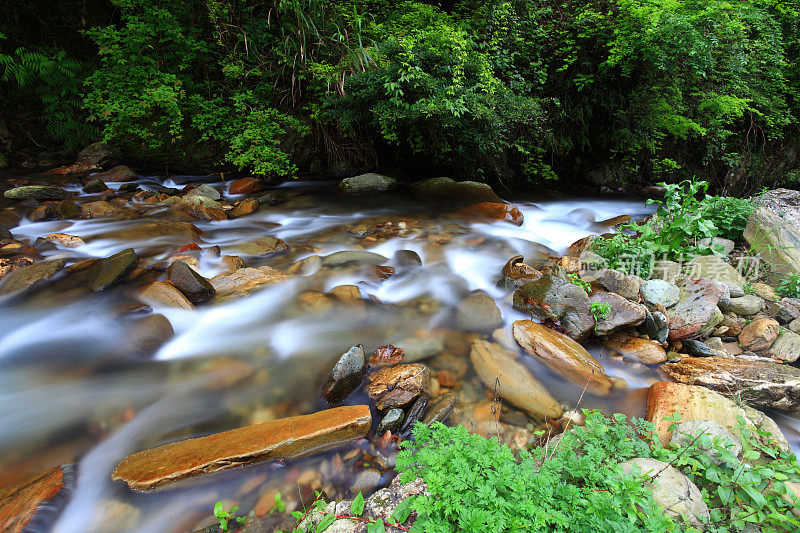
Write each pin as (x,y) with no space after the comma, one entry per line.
(70,392)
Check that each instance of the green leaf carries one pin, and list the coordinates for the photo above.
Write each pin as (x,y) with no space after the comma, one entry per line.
(357,507)
(326,521)
(403,510)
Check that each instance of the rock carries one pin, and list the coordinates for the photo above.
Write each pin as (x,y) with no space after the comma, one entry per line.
(245,186)
(641,350)
(346,293)
(759,334)
(147,231)
(207,191)
(713,267)
(786,347)
(421,348)
(699,349)
(496,211)
(660,292)
(627,286)
(69,241)
(478,313)
(765,292)
(699,403)
(370,183)
(407,258)
(772,230)
(201,208)
(97,154)
(161,293)
(734,290)
(20,501)
(666,270)
(245,280)
(346,375)
(111,270)
(243,208)
(98,209)
(353,256)
(439,411)
(195,287)
(680,498)
(396,386)
(622,313)
(794,326)
(25,277)
(147,335)
(36,192)
(232,263)
(512,381)
(117,174)
(555,299)
(67,210)
(391,421)
(516,273)
(689,433)
(760,384)
(282,439)
(562,354)
(365,481)
(264,245)
(746,305)
(95,186)
(697,306)
(784,311)
(449,190)
(614,221)
(720,244)
(13,263)
(715,343)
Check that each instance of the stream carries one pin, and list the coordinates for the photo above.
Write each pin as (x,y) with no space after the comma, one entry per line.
(72,393)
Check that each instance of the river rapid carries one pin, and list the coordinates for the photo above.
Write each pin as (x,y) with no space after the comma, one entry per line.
(72,393)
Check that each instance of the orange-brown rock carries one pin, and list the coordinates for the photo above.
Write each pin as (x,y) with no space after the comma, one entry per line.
(12,263)
(615,221)
(516,273)
(245,207)
(759,334)
(286,438)
(496,211)
(19,502)
(245,280)
(399,385)
(162,293)
(562,354)
(632,347)
(245,186)
(70,241)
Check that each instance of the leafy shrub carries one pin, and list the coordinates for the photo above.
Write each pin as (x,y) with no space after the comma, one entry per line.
(790,286)
(599,309)
(728,214)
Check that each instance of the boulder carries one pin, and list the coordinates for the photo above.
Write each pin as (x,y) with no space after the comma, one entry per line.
(552,298)
(496,211)
(786,347)
(784,311)
(346,375)
(397,386)
(697,306)
(95,186)
(632,347)
(10,264)
(449,190)
(207,191)
(243,208)
(243,281)
(201,208)
(622,313)
(516,273)
(660,292)
(664,399)
(99,209)
(22,278)
(713,267)
(689,433)
(97,154)
(407,258)
(36,192)
(370,183)
(69,241)
(146,335)
(353,256)
(757,383)
(20,501)
(111,270)
(195,287)
(625,285)
(680,498)
(562,354)
(512,381)
(282,439)
(245,186)
(478,313)
(759,334)
(746,305)
(264,245)
(119,173)
(772,230)
(162,293)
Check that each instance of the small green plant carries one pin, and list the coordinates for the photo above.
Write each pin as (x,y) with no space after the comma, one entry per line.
(225,517)
(748,288)
(599,309)
(575,279)
(728,214)
(790,286)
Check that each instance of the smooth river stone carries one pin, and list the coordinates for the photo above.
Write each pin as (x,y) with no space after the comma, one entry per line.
(562,354)
(113,269)
(162,293)
(245,280)
(264,245)
(36,192)
(632,347)
(512,381)
(496,211)
(621,313)
(24,277)
(282,439)
(761,384)
(19,502)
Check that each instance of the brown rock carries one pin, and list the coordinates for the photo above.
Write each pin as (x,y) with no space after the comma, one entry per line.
(615,221)
(245,186)
(264,245)
(761,384)
(759,334)
(70,241)
(699,299)
(286,438)
(195,287)
(181,231)
(562,354)
(232,263)
(245,280)
(399,385)
(19,502)
(632,347)
(346,293)
(496,211)
(117,173)
(22,278)
(162,293)
(147,335)
(99,209)
(12,263)
(516,273)
(622,313)
(245,207)
(664,399)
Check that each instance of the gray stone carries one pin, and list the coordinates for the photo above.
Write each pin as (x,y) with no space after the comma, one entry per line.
(660,292)
(720,244)
(688,433)
(365,481)
(391,421)
(478,313)
(449,190)
(195,287)
(746,305)
(700,349)
(111,270)
(672,490)
(27,276)
(353,256)
(346,375)
(622,313)
(794,325)
(625,285)
(407,258)
(264,245)
(786,347)
(772,230)
(556,299)
(206,191)
(367,184)
(97,154)
(734,290)
(666,270)
(36,192)
(784,311)
(421,348)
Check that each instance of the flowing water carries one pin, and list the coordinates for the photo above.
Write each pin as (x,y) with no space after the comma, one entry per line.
(71,393)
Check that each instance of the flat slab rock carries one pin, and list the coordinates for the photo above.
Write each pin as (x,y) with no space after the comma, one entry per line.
(245,280)
(760,384)
(286,438)
(699,300)
(19,502)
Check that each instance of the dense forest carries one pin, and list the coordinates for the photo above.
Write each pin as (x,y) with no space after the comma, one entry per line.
(512,92)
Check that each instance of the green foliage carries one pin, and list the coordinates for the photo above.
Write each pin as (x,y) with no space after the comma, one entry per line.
(225,517)
(575,279)
(599,310)
(790,286)
(728,214)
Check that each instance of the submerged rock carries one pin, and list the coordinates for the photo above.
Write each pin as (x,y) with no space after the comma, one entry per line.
(286,438)
(346,375)
(146,335)
(496,211)
(556,299)
(370,183)
(195,287)
(111,270)
(399,385)
(512,381)
(20,501)
(478,313)
(439,411)
(562,354)
(22,278)
(353,256)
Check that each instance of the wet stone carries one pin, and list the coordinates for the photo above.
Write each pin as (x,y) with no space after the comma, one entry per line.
(367,184)
(20,501)
(398,386)
(439,411)
(346,375)
(699,349)
(67,210)
(245,186)
(407,258)
(415,413)
(478,313)
(391,421)
(146,335)
(162,293)
(353,256)
(554,298)
(195,287)
(36,192)
(95,186)
(25,277)
(113,269)
(207,191)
